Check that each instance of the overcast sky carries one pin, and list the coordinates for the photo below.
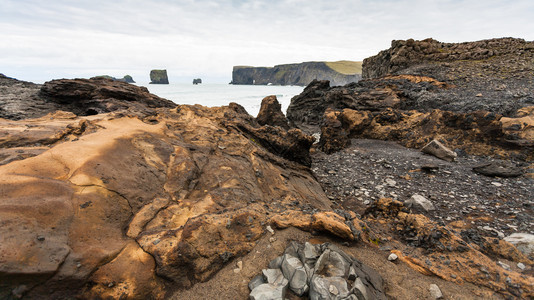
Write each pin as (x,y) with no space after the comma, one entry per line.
(41,40)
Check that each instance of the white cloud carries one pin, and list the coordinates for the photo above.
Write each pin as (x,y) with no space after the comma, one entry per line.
(61,38)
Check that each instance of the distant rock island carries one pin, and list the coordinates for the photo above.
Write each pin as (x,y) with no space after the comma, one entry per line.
(338,73)
(126,78)
(197,81)
(159,77)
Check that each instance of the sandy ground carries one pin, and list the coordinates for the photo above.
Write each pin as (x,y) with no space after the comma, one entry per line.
(401,282)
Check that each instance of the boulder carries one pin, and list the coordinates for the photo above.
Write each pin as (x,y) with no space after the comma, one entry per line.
(439,150)
(268,292)
(159,77)
(499,169)
(293,269)
(271,113)
(197,81)
(328,288)
(327,277)
(523,241)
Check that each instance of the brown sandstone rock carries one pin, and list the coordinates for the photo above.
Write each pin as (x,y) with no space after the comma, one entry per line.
(122,208)
(271,113)
(480,133)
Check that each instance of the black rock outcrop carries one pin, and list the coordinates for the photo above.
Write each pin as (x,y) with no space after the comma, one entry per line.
(126,78)
(159,77)
(197,81)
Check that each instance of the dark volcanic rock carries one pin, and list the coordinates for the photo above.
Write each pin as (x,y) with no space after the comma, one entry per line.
(271,113)
(373,95)
(20,100)
(126,78)
(499,169)
(159,77)
(493,75)
(89,97)
(197,81)
(309,106)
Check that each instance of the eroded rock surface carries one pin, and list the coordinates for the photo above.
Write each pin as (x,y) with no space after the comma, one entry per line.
(271,113)
(108,194)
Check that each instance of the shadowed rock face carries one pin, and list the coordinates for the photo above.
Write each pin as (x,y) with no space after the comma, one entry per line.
(159,77)
(271,113)
(22,100)
(93,96)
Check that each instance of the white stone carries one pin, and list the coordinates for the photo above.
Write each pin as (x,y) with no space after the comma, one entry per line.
(521,266)
(392,257)
(270,229)
(420,201)
(439,150)
(333,290)
(503,265)
(390,182)
(496,184)
(435,292)
(268,292)
(524,242)
(294,271)
(360,290)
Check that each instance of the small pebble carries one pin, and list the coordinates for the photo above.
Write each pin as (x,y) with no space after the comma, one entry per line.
(270,229)
(521,266)
(392,257)
(496,184)
(503,265)
(435,292)
(333,290)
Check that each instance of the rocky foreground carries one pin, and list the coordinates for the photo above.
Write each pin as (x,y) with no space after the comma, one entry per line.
(107,191)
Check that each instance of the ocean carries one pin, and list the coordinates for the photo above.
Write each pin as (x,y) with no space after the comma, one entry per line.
(249,96)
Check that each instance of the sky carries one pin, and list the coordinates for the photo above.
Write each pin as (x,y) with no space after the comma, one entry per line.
(44,40)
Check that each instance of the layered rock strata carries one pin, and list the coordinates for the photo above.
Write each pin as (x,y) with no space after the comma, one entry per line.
(144,204)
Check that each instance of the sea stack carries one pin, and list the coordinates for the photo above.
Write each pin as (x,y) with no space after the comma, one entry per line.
(159,77)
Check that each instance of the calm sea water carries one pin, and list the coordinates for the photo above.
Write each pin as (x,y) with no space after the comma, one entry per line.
(249,96)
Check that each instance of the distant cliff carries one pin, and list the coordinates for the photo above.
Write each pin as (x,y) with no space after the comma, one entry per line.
(338,73)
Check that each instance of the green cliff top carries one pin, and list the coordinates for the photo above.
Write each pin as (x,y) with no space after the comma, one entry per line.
(346,67)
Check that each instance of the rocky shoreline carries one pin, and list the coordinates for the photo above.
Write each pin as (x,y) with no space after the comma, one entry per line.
(108,191)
